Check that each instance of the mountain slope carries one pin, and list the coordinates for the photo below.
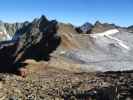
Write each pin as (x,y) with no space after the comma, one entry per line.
(101,27)
(130,29)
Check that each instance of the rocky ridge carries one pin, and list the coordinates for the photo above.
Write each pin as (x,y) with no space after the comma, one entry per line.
(39,36)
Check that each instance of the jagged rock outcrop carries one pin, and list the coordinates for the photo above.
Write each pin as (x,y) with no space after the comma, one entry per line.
(35,40)
(85,28)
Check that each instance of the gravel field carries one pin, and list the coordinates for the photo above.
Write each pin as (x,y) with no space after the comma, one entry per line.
(55,84)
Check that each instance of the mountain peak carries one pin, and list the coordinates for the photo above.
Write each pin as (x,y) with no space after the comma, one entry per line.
(43,18)
(85,28)
(97,23)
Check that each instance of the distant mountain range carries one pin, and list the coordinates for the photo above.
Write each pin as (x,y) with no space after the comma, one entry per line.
(86,28)
(100,27)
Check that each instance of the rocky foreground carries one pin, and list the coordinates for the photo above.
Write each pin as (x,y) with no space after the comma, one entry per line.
(47,83)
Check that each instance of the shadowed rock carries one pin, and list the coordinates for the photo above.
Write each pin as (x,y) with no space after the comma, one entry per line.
(35,40)
(85,28)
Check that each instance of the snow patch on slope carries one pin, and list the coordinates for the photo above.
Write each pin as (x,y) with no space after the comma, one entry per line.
(5,36)
(111,50)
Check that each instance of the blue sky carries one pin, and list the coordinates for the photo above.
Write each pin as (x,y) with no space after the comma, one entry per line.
(76,12)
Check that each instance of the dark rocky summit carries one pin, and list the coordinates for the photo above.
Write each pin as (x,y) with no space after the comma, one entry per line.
(35,40)
(98,27)
(85,28)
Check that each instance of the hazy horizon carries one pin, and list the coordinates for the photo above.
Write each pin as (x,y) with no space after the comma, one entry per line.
(75,12)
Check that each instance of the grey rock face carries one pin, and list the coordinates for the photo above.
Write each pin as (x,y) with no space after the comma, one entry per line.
(8,30)
(106,54)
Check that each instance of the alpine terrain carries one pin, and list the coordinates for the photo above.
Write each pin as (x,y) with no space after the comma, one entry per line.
(50,60)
